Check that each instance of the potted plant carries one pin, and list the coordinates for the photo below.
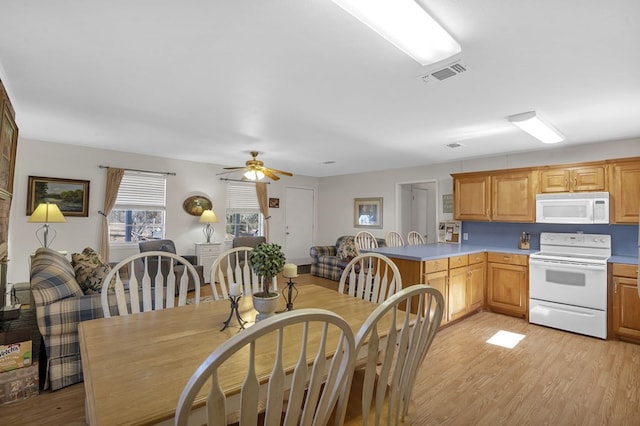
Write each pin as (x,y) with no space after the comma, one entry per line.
(266,260)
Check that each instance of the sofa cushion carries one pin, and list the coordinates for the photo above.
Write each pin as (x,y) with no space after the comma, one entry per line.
(52,277)
(346,248)
(90,270)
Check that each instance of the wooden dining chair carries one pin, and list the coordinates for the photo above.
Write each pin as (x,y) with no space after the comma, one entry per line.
(149,281)
(292,367)
(414,238)
(382,385)
(232,266)
(365,240)
(393,239)
(370,276)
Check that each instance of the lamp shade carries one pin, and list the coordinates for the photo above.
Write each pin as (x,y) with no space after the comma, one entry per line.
(208,216)
(253,175)
(47,213)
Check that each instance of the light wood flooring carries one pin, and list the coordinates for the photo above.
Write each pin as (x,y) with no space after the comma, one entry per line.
(550,378)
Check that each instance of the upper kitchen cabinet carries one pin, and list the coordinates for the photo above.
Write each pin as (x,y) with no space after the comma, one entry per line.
(504,196)
(574,178)
(624,175)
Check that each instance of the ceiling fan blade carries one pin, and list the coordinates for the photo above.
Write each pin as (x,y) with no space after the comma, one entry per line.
(229,171)
(234,168)
(269,174)
(282,172)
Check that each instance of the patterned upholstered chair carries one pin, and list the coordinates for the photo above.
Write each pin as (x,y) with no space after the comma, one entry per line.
(61,305)
(329,261)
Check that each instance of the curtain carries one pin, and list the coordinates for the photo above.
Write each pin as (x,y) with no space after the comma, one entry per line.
(261,193)
(114,177)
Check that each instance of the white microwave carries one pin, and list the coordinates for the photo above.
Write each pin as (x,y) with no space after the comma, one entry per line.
(573,207)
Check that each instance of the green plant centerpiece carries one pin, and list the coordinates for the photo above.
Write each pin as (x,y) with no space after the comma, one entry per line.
(267,260)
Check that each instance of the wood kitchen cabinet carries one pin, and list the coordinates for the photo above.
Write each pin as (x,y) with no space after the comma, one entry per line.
(458,287)
(505,196)
(508,283)
(437,276)
(625,195)
(476,283)
(625,316)
(587,177)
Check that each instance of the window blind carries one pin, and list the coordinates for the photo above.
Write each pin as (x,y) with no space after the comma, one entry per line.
(141,191)
(242,198)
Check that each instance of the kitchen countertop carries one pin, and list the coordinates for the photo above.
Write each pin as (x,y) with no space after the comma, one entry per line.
(440,250)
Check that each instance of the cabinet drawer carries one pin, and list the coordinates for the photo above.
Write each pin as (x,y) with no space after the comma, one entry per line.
(208,250)
(436,265)
(477,258)
(508,258)
(458,261)
(625,270)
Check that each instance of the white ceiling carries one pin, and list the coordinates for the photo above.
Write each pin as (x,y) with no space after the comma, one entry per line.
(305,83)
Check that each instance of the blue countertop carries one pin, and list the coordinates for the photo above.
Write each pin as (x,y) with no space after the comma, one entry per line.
(437,251)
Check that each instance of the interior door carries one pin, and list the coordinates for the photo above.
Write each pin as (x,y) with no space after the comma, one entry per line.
(419,203)
(299,220)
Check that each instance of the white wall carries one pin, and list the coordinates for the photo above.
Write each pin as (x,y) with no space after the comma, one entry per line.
(35,158)
(336,194)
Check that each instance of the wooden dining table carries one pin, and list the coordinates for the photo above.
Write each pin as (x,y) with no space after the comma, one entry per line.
(136,366)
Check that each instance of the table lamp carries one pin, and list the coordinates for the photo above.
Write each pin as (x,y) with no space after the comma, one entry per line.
(46,213)
(208,217)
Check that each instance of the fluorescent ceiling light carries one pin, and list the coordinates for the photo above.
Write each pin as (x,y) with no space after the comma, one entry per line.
(532,123)
(407,26)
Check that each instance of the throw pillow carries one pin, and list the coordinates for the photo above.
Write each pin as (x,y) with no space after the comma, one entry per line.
(90,270)
(346,249)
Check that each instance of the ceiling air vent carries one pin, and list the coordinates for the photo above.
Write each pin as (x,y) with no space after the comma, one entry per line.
(443,73)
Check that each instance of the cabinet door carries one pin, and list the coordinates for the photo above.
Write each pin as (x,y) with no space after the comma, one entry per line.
(458,305)
(514,196)
(626,199)
(554,180)
(471,197)
(476,285)
(507,288)
(626,307)
(588,179)
(438,280)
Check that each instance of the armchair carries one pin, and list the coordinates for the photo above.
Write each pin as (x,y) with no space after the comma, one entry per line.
(170,247)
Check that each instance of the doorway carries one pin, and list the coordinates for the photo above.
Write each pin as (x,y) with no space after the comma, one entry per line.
(418,209)
(299,220)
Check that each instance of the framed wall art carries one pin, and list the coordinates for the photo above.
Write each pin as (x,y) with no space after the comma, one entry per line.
(71,195)
(367,212)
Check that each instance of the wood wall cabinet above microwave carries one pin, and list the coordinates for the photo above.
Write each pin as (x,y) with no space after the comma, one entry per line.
(625,190)
(583,178)
(503,196)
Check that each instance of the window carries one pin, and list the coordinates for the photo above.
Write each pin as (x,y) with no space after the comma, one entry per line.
(139,212)
(243,211)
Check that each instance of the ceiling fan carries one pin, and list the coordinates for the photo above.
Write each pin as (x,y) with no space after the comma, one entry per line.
(255,170)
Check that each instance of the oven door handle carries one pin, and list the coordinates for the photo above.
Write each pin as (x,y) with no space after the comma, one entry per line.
(568,265)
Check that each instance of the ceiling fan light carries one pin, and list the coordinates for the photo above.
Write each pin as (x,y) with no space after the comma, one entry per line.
(407,26)
(536,126)
(254,175)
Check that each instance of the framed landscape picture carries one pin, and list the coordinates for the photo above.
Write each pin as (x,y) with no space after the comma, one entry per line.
(71,195)
(367,212)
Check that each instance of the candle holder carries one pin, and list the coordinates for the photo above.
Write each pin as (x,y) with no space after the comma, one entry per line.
(289,296)
(234,309)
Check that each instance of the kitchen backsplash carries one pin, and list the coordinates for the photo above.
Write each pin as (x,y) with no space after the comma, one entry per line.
(624,238)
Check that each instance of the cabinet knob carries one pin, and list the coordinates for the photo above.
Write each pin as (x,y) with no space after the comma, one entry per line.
(506,258)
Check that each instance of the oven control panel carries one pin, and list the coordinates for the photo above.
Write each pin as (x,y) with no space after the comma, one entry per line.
(577,240)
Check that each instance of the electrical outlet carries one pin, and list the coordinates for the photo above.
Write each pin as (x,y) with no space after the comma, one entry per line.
(465,236)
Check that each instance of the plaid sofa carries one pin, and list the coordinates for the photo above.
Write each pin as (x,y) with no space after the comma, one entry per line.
(326,262)
(60,306)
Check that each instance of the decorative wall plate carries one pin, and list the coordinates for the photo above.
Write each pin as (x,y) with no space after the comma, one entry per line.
(196,204)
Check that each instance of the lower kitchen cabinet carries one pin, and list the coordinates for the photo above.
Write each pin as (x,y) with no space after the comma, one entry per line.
(458,283)
(508,283)
(437,276)
(477,280)
(626,302)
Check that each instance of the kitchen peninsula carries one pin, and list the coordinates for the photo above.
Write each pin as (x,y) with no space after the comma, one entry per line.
(470,277)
